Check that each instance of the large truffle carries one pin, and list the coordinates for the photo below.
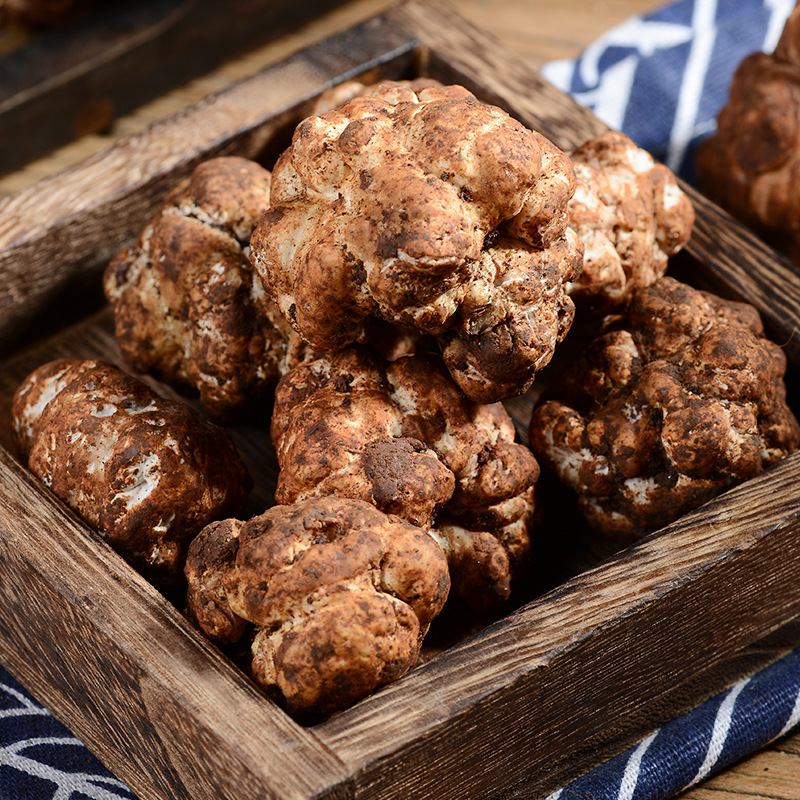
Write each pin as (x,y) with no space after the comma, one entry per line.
(145,472)
(402,436)
(666,408)
(631,215)
(751,164)
(187,305)
(427,209)
(337,595)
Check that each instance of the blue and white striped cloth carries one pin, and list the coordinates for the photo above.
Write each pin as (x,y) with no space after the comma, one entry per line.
(661,78)
(715,735)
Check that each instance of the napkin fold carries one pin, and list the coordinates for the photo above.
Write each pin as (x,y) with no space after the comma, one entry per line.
(661,78)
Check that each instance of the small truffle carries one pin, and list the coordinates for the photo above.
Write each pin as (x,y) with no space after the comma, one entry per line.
(670,405)
(751,165)
(402,436)
(145,472)
(631,215)
(427,209)
(187,305)
(338,597)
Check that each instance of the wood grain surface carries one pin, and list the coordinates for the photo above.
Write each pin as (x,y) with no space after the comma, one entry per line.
(461,701)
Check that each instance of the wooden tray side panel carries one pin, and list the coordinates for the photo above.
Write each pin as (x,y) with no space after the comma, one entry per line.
(114,661)
(73,81)
(511,704)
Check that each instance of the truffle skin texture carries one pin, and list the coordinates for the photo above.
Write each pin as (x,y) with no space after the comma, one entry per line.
(666,408)
(631,215)
(402,436)
(339,595)
(145,472)
(187,306)
(347,90)
(751,165)
(427,209)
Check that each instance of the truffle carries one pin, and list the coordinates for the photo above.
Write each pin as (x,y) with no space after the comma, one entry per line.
(336,595)
(427,209)
(187,306)
(751,164)
(670,405)
(631,215)
(402,436)
(145,472)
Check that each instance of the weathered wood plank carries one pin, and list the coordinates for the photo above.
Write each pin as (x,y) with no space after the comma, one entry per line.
(514,703)
(74,80)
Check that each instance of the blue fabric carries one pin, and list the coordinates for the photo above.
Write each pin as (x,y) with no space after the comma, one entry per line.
(707,740)
(41,760)
(661,78)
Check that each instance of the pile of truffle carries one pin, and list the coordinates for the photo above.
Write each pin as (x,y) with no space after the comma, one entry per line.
(410,262)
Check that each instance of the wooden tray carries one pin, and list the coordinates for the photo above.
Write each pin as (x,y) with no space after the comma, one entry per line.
(532,699)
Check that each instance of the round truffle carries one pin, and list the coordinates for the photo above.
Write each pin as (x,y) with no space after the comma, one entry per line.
(670,405)
(187,306)
(337,594)
(431,210)
(145,472)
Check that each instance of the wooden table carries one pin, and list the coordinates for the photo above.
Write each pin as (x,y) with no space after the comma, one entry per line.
(537,30)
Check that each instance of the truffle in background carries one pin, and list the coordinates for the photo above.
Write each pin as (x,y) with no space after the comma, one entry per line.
(187,305)
(751,165)
(146,473)
(334,595)
(672,403)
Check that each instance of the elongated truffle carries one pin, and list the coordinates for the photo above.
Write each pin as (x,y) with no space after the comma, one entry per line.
(144,472)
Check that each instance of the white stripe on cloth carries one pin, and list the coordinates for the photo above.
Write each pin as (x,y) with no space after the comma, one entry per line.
(779,12)
(719,734)
(694,75)
(631,775)
(794,717)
